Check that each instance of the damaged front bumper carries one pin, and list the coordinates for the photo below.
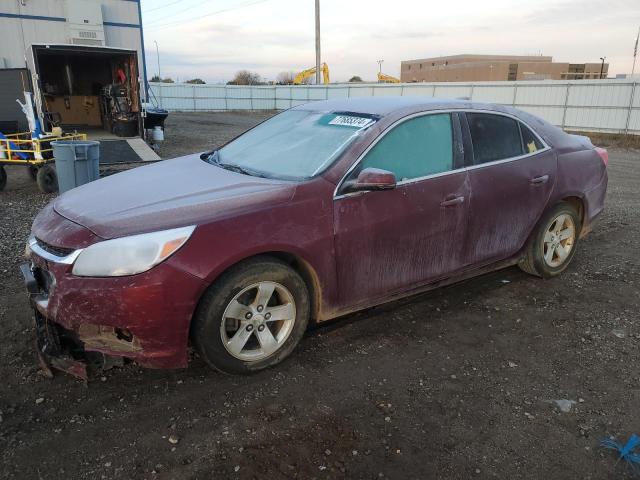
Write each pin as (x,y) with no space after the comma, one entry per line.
(56,347)
(80,320)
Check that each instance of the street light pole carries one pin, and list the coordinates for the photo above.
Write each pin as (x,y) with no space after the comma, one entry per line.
(602,66)
(158,56)
(317,42)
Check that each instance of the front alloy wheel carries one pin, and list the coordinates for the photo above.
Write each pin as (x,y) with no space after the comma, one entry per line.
(252,317)
(258,321)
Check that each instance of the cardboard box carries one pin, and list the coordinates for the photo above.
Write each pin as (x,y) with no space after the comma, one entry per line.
(76,109)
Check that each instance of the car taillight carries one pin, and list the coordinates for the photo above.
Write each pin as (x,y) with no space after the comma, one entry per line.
(604,155)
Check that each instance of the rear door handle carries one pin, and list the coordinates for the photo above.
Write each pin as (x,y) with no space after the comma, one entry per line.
(452,201)
(539,180)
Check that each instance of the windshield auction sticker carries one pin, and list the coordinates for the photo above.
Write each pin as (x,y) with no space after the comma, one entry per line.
(349,121)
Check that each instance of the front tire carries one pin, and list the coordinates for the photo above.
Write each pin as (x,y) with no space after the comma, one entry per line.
(553,244)
(252,317)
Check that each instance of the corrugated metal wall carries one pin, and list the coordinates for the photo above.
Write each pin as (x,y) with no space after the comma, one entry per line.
(600,105)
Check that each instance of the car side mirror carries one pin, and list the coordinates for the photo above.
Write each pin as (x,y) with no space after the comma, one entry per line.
(371,179)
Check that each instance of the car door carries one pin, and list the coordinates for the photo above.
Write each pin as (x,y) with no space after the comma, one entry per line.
(389,241)
(511,180)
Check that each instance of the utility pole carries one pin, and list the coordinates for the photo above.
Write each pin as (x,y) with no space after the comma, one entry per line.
(317,42)
(635,53)
(602,66)
(158,55)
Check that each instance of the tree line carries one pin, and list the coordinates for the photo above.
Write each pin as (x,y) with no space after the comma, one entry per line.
(246,77)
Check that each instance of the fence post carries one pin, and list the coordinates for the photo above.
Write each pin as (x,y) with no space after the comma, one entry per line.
(515,93)
(193,95)
(630,111)
(566,102)
(471,92)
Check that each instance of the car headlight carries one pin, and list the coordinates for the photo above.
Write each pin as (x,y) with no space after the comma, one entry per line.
(130,255)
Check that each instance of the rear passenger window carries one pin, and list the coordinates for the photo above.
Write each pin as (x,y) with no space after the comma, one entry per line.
(494,137)
(416,148)
(530,142)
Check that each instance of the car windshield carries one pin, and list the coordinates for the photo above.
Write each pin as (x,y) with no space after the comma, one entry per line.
(293,145)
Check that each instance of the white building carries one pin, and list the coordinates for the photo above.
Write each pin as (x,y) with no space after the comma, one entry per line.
(76,57)
(110,23)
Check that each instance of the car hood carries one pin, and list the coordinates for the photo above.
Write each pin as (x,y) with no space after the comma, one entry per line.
(172,193)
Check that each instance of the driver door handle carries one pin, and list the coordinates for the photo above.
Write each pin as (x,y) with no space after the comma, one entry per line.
(539,180)
(452,201)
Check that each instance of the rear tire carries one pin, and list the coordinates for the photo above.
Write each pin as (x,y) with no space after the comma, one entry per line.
(252,317)
(47,179)
(553,244)
(3,178)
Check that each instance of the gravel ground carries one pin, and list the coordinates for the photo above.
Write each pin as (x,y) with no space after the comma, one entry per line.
(457,383)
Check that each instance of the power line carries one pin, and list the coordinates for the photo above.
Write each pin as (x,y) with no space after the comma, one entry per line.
(162,6)
(153,26)
(184,10)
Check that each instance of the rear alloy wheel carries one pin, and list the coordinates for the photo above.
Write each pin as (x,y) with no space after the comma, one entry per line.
(47,179)
(559,240)
(252,317)
(553,245)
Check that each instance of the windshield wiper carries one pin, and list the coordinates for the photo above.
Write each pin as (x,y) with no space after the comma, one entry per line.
(235,168)
(214,159)
(242,170)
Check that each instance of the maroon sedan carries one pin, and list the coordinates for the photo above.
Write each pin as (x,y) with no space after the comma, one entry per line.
(325,209)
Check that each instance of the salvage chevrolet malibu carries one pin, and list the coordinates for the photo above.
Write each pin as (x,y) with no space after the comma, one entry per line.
(325,209)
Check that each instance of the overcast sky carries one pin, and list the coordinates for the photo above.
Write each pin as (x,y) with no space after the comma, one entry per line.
(212,39)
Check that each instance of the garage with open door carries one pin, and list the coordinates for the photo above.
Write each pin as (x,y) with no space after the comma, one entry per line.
(93,89)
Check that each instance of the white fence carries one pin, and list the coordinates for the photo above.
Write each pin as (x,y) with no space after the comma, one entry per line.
(601,105)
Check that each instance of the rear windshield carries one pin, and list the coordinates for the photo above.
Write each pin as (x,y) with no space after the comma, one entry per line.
(295,144)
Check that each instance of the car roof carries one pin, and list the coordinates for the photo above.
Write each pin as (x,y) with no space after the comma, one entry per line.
(398,106)
(386,105)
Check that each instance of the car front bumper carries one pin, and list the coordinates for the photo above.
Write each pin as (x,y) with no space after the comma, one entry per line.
(142,317)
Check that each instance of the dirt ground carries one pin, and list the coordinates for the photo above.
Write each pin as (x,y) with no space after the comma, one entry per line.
(457,383)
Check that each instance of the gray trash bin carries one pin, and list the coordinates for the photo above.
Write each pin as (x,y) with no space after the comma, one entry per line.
(77,162)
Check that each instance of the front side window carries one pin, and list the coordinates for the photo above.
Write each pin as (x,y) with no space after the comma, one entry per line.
(416,148)
(494,137)
(295,144)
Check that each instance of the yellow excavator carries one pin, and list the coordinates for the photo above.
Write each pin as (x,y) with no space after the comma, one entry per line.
(383,78)
(309,72)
